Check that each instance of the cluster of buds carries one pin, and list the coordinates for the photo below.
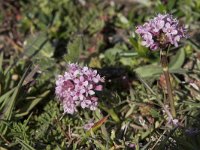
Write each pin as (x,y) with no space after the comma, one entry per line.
(77,87)
(161,31)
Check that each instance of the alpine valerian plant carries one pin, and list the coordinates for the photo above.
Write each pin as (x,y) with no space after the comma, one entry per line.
(77,87)
(160,33)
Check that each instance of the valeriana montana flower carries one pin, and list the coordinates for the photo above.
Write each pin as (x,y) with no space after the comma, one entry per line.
(77,87)
(161,31)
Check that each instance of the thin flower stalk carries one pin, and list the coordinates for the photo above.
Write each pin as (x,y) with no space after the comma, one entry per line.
(165,68)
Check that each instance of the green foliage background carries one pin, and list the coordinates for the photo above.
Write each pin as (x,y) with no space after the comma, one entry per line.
(99,34)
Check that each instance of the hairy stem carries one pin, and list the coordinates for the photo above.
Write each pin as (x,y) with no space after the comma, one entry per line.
(164,63)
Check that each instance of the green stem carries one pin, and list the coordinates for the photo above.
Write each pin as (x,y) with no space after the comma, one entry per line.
(164,63)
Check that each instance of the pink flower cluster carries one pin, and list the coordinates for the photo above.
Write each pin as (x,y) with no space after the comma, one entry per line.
(161,31)
(77,87)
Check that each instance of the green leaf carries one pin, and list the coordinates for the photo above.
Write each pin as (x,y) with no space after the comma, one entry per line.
(74,49)
(111,55)
(39,45)
(96,26)
(154,113)
(45,63)
(24,144)
(177,61)
(161,8)
(133,42)
(4,97)
(99,145)
(175,64)
(140,49)
(149,71)
(128,61)
(170,4)
(31,104)
(9,103)
(39,49)
(111,112)
(122,21)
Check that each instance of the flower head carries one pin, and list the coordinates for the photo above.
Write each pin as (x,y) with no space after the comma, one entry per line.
(161,31)
(77,87)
